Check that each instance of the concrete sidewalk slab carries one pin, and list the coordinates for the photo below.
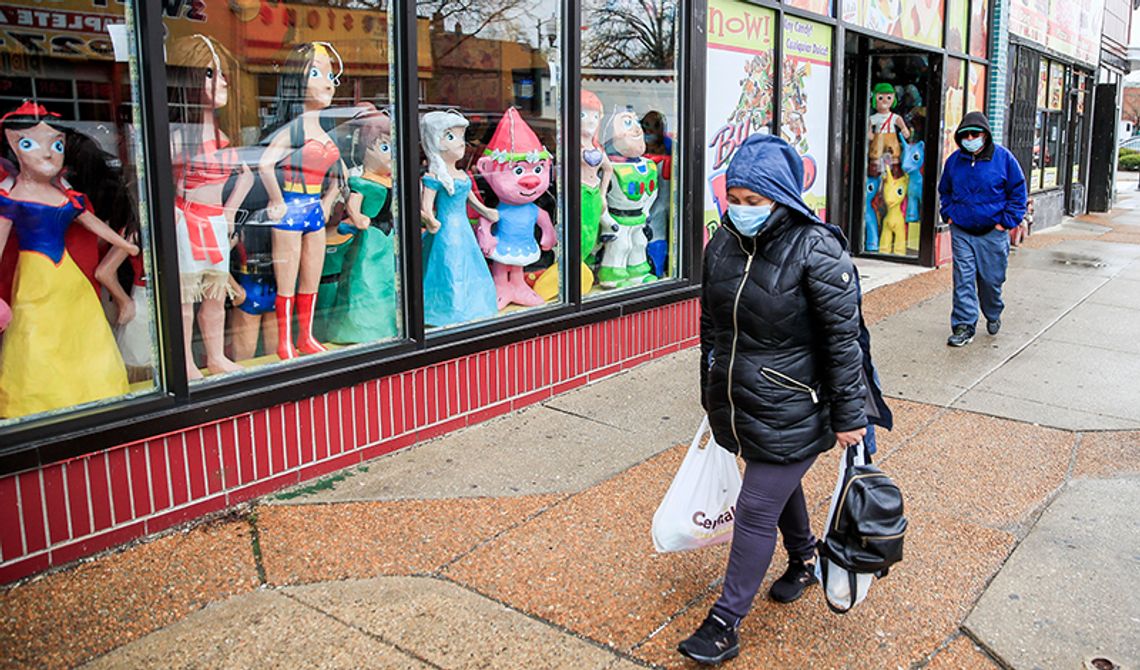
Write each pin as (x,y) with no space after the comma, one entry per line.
(308,543)
(1068,591)
(1100,325)
(564,445)
(914,362)
(536,450)
(451,627)
(1120,293)
(60,620)
(263,629)
(588,564)
(906,616)
(1132,272)
(875,273)
(1050,414)
(657,404)
(957,463)
(1091,380)
(1108,455)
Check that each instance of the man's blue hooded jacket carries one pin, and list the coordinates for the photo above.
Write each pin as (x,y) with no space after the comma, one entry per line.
(980,191)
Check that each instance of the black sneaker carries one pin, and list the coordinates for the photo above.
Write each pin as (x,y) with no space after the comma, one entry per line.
(992,327)
(714,642)
(789,587)
(962,336)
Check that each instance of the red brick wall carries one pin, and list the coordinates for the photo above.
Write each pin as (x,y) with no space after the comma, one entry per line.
(68,510)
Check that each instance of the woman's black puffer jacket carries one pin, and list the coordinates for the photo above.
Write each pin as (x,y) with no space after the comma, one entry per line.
(780,356)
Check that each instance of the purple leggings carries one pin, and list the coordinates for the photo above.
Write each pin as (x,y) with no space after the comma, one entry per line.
(771,496)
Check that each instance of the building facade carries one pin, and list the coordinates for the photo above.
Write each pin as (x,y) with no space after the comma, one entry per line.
(251,242)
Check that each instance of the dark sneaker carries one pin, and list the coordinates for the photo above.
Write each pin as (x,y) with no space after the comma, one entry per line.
(714,642)
(992,327)
(794,582)
(962,336)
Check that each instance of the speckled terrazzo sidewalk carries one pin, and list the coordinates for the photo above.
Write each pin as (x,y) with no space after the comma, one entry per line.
(523,542)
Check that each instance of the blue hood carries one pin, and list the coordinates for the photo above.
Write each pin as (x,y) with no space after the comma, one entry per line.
(769,166)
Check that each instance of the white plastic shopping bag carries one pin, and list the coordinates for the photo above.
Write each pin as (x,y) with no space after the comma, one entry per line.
(699,508)
(837,590)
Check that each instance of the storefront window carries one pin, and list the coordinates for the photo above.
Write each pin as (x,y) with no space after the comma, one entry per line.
(957,15)
(916,20)
(738,92)
(979,28)
(1050,160)
(489,135)
(1050,157)
(76,311)
(281,141)
(805,103)
(822,7)
(1038,137)
(1080,83)
(629,95)
(893,211)
(976,91)
(952,104)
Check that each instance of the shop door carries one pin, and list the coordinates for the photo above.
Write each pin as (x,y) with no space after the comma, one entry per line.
(1074,185)
(1103,148)
(891,144)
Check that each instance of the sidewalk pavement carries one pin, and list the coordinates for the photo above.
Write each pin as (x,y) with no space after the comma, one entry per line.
(524,542)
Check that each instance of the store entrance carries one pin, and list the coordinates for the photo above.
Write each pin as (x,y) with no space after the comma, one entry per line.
(891,139)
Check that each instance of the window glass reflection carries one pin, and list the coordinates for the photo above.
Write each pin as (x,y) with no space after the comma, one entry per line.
(629,75)
(281,140)
(489,135)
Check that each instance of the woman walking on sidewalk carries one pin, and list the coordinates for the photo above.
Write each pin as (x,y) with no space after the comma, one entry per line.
(781,372)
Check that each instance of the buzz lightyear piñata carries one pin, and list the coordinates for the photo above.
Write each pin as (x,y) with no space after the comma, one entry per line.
(633,189)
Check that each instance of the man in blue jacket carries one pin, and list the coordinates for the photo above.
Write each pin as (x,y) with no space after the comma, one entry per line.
(982,198)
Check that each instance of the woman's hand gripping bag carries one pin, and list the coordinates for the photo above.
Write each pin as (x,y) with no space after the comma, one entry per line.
(699,508)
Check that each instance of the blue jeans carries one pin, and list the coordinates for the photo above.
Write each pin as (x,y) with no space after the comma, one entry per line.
(979,271)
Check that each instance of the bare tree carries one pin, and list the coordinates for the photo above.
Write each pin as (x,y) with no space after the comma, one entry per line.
(474,17)
(630,33)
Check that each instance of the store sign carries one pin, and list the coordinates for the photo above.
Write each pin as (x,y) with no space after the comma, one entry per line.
(805,103)
(1067,27)
(738,90)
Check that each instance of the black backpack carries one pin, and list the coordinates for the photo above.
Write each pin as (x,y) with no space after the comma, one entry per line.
(868,527)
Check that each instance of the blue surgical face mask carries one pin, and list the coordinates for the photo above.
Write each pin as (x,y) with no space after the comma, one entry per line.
(974,145)
(749,219)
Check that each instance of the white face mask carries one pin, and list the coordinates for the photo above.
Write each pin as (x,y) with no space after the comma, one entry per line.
(974,145)
(749,219)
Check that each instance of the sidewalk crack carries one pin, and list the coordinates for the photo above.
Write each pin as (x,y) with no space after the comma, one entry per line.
(255,547)
(375,636)
(584,417)
(438,572)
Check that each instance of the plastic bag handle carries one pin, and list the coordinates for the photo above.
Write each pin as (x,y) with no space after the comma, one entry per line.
(696,443)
